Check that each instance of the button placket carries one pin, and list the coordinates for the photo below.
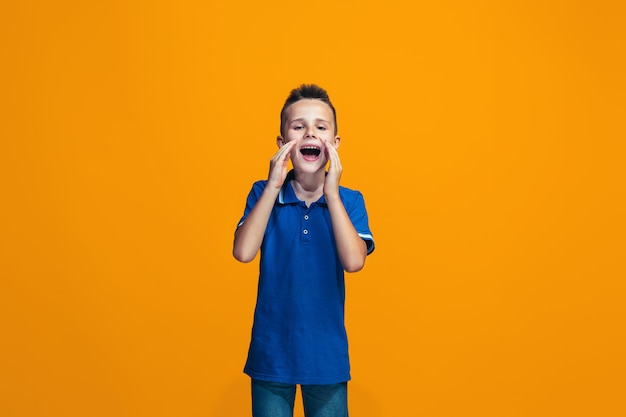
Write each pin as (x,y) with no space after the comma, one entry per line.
(305,231)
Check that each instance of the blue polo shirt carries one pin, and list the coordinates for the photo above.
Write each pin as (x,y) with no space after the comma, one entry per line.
(298,335)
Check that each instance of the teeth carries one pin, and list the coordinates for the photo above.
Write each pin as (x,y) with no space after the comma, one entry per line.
(310,151)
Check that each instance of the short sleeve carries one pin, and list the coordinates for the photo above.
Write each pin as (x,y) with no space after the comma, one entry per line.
(253,197)
(358,216)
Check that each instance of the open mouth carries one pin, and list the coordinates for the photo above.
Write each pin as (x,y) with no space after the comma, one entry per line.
(310,152)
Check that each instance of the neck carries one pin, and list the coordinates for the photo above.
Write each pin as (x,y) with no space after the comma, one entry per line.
(309,187)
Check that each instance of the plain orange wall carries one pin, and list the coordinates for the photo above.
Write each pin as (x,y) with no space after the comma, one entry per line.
(487,138)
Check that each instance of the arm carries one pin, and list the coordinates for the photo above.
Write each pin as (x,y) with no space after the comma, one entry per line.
(249,235)
(351,248)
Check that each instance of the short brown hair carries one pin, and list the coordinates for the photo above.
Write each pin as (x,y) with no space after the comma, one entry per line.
(306,91)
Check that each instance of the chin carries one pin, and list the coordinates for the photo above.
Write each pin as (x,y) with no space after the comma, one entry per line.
(307,167)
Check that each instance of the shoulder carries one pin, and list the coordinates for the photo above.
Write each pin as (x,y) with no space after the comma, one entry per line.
(348,194)
(352,199)
(258,186)
(255,192)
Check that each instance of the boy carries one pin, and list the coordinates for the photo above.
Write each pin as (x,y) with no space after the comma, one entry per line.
(309,230)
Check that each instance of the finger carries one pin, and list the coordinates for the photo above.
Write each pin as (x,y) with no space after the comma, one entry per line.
(282,158)
(328,149)
(333,155)
(330,156)
(283,153)
(331,148)
(286,149)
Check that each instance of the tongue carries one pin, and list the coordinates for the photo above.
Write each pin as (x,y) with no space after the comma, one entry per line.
(310,154)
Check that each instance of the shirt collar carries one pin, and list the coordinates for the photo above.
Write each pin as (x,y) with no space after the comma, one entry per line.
(287,195)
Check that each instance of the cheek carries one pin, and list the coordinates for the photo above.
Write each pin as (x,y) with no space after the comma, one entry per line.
(293,136)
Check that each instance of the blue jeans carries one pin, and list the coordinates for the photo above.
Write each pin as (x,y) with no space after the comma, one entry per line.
(274,399)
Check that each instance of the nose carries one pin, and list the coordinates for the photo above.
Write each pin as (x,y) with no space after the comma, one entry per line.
(310,132)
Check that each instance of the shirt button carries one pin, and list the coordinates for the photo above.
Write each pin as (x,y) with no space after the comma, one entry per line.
(306,232)
(306,217)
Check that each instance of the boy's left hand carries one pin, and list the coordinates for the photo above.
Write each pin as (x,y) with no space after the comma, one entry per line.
(331,183)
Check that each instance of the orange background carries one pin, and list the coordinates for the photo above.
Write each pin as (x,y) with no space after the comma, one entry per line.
(487,138)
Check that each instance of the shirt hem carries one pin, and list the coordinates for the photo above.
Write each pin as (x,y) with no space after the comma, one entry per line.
(295,380)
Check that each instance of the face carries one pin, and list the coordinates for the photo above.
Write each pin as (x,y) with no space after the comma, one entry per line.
(309,122)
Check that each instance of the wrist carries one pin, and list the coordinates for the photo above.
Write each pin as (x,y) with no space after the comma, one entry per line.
(271,190)
(275,184)
(331,196)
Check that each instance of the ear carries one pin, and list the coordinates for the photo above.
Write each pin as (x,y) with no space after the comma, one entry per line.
(279,141)
(337,140)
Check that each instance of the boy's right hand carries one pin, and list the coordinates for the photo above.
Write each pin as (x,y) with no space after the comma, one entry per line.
(278,165)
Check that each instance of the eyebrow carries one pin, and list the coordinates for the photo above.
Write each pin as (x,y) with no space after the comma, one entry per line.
(301,119)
